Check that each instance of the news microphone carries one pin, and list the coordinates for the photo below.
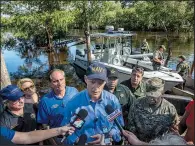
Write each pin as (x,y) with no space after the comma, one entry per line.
(77,122)
(82,140)
(112,115)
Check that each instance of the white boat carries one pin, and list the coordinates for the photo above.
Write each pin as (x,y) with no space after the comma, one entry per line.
(115,50)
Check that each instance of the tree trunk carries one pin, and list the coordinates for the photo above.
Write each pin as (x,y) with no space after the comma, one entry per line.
(5,79)
(87,36)
(169,54)
(88,47)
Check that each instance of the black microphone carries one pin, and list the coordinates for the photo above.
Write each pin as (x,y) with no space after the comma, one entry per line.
(109,111)
(82,140)
(77,121)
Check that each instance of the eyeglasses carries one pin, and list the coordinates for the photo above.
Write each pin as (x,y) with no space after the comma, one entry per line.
(27,88)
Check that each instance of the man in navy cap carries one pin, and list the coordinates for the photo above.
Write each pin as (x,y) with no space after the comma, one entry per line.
(14,116)
(94,99)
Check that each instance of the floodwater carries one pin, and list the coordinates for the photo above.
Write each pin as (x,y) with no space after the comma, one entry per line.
(28,60)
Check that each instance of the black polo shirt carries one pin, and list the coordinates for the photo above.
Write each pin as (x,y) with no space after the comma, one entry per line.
(23,123)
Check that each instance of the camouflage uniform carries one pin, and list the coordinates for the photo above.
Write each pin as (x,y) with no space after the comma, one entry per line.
(160,55)
(183,70)
(139,92)
(145,47)
(148,121)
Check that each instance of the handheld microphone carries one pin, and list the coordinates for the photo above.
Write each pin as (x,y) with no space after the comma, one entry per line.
(112,115)
(82,140)
(77,122)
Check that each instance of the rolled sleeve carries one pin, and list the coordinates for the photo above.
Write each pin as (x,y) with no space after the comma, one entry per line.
(7,133)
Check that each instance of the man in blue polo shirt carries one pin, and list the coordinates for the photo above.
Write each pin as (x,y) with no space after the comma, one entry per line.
(94,99)
(53,104)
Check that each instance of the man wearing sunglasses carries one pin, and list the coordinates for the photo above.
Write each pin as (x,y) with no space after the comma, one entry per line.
(135,83)
(14,116)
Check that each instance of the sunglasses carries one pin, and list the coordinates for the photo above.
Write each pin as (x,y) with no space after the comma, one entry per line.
(27,88)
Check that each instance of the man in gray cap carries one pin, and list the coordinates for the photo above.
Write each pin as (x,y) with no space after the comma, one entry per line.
(123,93)
(14,116)
(158,57)
(182,69)
(152,115)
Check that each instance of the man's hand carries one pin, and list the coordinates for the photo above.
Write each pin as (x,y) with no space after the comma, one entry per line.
(98,140)
(132,139)
(175,129)
(63,130)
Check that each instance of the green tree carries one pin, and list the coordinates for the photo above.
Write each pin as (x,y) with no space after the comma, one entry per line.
(37,19)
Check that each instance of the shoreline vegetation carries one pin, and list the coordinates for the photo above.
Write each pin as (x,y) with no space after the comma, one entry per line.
(33,23)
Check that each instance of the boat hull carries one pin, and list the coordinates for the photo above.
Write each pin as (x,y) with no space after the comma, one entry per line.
(80,66)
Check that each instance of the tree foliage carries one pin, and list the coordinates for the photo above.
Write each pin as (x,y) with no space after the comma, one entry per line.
(37,18)
(43,20)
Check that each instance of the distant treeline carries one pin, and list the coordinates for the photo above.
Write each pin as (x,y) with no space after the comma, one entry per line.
(44,21)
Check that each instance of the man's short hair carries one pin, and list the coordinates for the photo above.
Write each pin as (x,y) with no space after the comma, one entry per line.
(54,70)
(168,139)
(138,69)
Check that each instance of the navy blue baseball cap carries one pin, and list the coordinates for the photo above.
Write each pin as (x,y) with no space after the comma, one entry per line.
(11,92)
(112,72)
(97,71)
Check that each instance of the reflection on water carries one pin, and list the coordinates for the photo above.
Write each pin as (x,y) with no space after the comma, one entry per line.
(30,60)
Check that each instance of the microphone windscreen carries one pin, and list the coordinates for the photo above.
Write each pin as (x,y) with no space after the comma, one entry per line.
(82,114)
(109,109)
(82,139)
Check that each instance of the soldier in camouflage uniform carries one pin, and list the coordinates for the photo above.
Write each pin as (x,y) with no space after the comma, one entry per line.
(158,57)
(135,83)
(145,47)
(124,95)
(182,69)
(152,115)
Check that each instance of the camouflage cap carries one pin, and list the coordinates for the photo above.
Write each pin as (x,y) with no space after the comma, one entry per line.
(162,46)
(182,57)
(154,87)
